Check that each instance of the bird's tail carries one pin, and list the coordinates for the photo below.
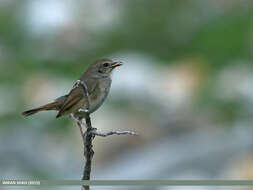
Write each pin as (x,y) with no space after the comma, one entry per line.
(50,106)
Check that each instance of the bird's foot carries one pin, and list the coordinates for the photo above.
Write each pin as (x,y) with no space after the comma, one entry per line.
(82,113)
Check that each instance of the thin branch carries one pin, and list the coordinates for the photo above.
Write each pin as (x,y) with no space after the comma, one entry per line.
(88,151)
(90,133)
(96,133)
(87,136)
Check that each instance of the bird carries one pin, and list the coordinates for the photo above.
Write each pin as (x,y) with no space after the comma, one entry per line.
(97,82)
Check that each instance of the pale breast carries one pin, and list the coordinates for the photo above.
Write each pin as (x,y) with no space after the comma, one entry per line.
(99,94)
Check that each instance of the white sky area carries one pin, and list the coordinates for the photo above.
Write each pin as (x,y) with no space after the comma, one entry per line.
(141,78)
(48,15)
(139,72)
(235,82)
(45,16)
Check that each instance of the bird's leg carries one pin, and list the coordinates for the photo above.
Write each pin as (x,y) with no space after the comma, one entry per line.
(80,114)
(83,111)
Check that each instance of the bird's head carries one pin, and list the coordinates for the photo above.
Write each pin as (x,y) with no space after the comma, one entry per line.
(104,66)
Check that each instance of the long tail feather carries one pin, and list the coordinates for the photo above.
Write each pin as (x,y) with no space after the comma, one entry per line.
(50,106)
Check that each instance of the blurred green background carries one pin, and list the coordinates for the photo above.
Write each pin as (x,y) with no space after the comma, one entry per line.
(185,88)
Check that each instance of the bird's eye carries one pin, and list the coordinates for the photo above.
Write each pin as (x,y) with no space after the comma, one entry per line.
(106,64)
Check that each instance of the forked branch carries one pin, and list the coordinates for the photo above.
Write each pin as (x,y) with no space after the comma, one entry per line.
(90,134)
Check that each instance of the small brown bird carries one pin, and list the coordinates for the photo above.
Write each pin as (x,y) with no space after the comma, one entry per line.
(97,79)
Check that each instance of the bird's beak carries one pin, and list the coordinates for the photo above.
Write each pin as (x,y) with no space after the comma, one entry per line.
(116,64)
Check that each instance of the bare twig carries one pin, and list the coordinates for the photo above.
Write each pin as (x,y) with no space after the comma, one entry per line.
(87,137)
(96,133)
(88,151)
(90,134)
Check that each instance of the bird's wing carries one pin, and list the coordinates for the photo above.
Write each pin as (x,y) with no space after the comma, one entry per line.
(74,96)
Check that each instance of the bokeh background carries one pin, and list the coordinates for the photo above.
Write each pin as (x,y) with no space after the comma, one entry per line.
(185,88)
